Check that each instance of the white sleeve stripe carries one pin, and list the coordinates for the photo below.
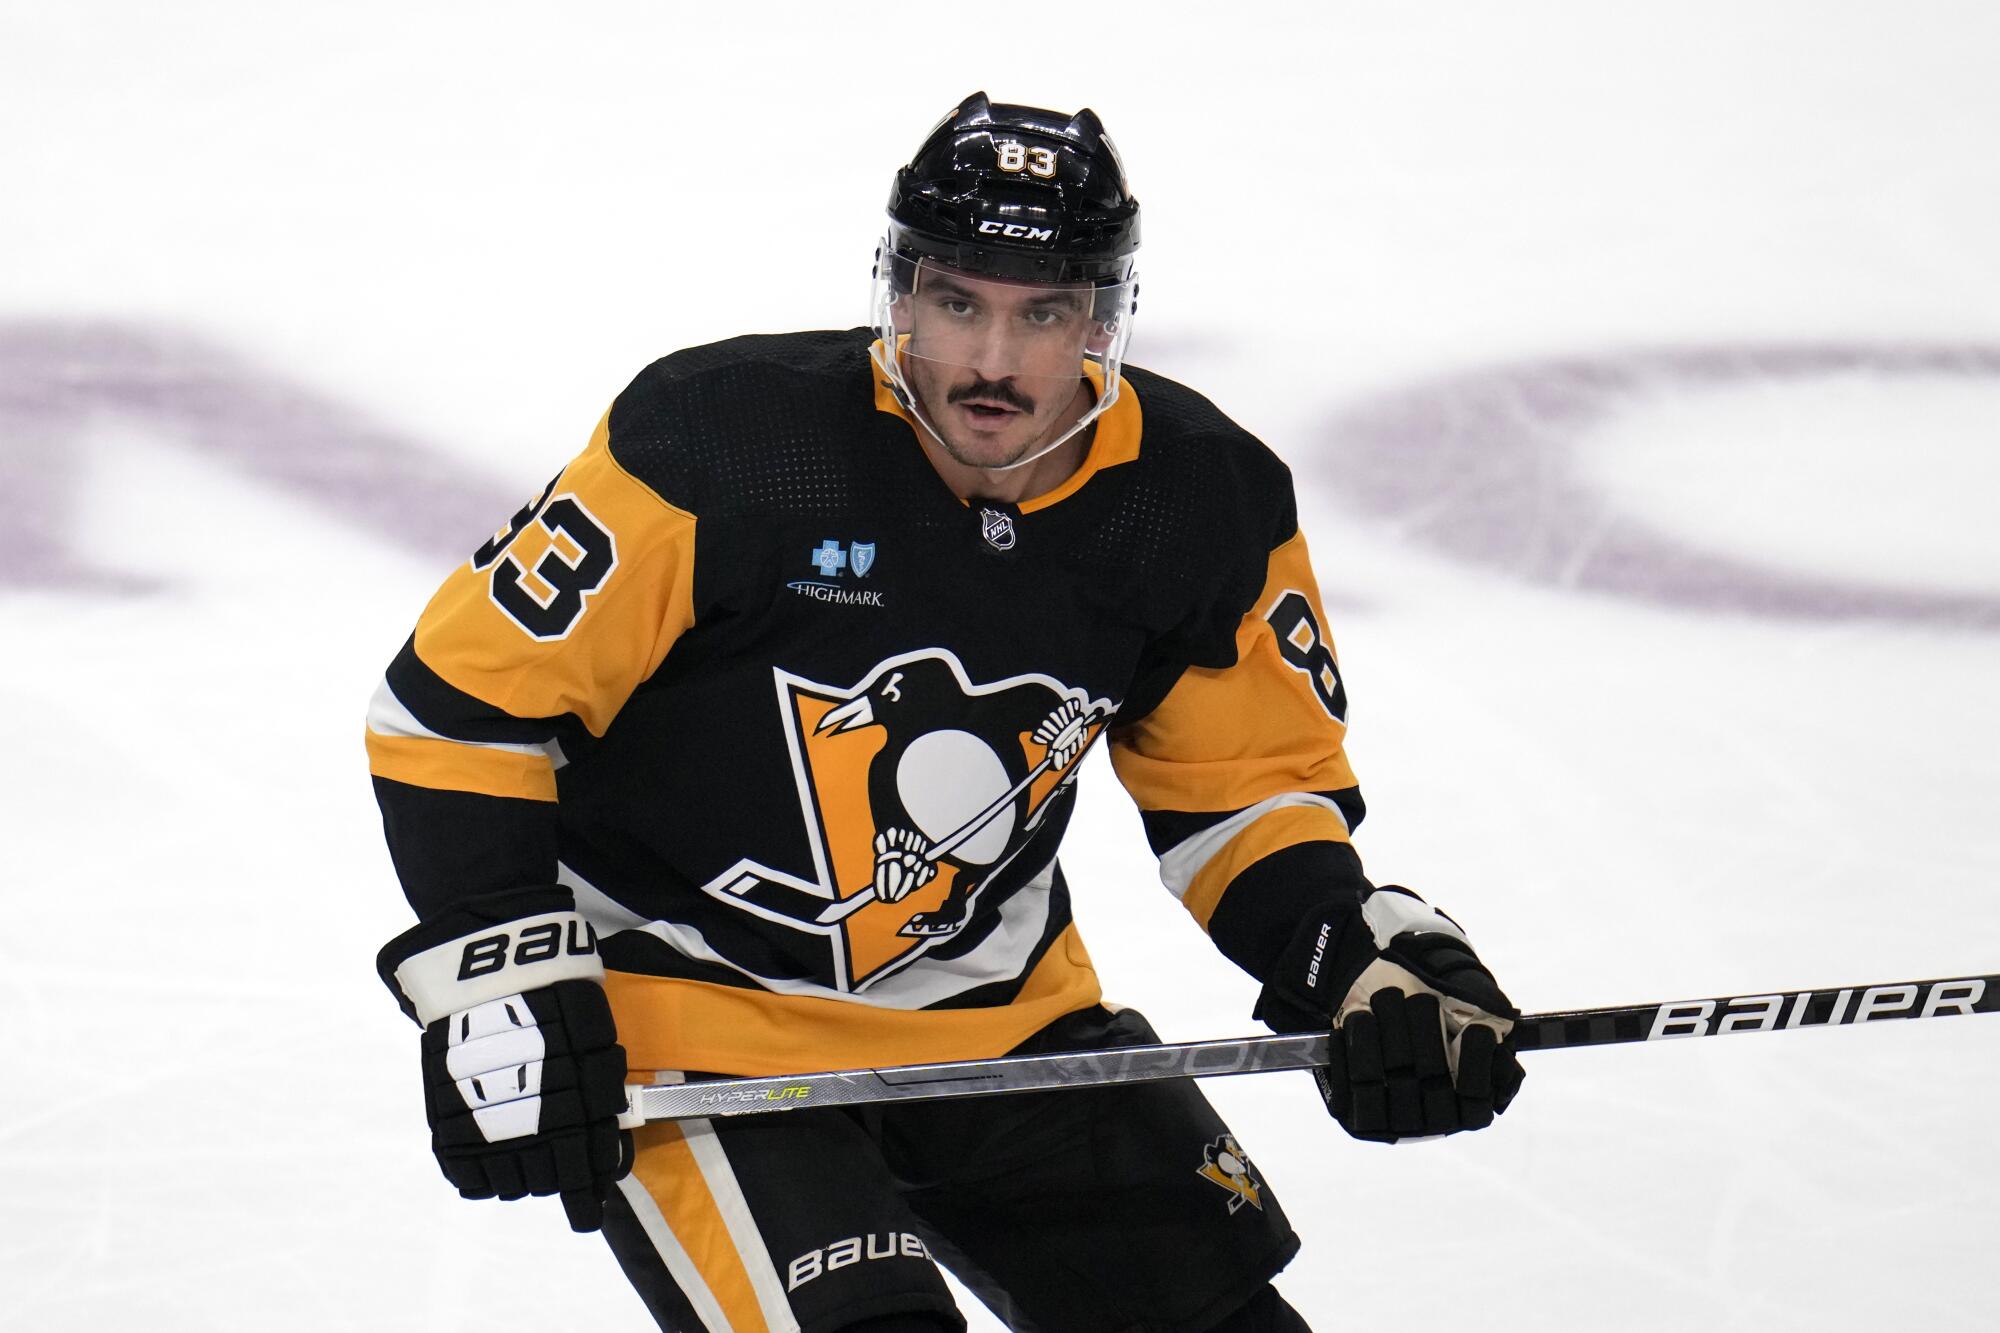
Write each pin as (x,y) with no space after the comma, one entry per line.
(388,717)
(1180,864)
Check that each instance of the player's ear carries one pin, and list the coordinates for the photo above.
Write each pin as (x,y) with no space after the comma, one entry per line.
(1102,335)
(899,312)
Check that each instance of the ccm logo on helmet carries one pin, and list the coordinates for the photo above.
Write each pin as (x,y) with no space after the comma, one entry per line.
(1017,231)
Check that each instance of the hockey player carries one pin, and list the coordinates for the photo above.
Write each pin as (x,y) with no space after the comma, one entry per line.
(746,746)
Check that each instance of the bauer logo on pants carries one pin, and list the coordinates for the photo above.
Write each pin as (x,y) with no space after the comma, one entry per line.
(853,1250)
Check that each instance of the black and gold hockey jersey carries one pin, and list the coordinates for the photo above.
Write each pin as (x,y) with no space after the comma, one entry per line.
(800,727)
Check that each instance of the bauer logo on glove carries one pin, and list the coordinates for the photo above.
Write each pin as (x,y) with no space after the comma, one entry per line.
(538,943)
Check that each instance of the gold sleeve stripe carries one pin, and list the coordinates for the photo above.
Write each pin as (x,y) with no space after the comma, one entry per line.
(449,766)
(1286,826)
(628,622)
(1227,738)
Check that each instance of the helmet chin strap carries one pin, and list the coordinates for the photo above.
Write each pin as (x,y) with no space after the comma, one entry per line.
(891,366)
(1096,410)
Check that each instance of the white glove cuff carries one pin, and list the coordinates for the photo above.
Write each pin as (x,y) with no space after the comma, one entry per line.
(491,964)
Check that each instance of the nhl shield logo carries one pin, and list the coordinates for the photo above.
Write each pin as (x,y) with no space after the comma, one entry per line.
(861,558)
(997,527)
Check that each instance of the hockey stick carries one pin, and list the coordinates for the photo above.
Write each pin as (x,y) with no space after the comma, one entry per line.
(1256,1055)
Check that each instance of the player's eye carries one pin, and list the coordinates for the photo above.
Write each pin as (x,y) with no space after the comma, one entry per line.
(953,305)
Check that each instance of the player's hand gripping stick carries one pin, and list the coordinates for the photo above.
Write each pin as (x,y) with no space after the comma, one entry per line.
(523,1073)
(1420,1043)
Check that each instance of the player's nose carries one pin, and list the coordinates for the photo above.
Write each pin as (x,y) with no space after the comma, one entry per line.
(995,356)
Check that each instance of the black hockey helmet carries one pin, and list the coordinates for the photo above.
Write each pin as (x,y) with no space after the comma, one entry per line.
(1015,192)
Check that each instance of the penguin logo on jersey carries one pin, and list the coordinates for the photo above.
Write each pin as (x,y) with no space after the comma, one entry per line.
(1225,1164)
(918,789)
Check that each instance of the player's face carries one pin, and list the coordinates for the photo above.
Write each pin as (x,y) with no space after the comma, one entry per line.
(996,365)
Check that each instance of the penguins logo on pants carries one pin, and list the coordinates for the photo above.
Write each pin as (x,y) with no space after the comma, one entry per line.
(1227,1165)
(918,789)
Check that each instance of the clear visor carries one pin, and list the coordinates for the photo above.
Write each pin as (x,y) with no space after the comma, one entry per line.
(1006,369)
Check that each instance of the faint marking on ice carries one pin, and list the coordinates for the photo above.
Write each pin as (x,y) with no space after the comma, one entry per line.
(1487,467)
(55,377)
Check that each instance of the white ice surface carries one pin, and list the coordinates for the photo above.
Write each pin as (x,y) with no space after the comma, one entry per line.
(466,226)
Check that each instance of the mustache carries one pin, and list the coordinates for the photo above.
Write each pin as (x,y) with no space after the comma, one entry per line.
(998,391)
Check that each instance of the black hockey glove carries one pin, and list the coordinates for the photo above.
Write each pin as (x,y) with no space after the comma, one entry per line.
(524,1078)
(1419,1044)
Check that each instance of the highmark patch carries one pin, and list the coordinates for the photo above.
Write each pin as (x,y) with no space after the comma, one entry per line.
(834,593)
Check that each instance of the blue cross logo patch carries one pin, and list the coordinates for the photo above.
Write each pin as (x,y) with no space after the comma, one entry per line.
(829,559)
